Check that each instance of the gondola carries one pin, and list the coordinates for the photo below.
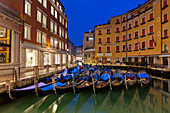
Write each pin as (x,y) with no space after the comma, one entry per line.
(64,84)
(103,82)
(117,80)
(130,79)
(143,78)
(16,93)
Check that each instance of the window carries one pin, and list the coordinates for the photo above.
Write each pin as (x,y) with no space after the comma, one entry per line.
(130,47)
(44,38)
(62,33)
(130,36)
(59,31)
(151,16)
(165,3)
(130,26)
(39,16)
(151,43)
(117,29)
(51,41)
(136,46)
(117,21)
(165,17)
(40,1)
(108,39)
(52,10)
(166,48)
(108,31)
(138,12)
(136,34)
(124,19)
(124,28)
(108,49)
(124,48)
(100,40)
(131,15)
(55,28)
(143,45)
(124,37)
(143,32)
(65,34)
(143,20)
(60,19)
(151,29)
(52,26)
(117,49)
(65,46)
(100,32)
(38,36)
(55,43)
(28,8)
(166,33)
(27,32)
(146,7)
(63,21)
(45,3)
(136,23)
(117,39)
(66,24)
(87,39)
(55,14)
(100,49)
(60,45)
(44,21)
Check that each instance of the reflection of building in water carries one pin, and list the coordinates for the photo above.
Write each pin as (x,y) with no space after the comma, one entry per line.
(154,100)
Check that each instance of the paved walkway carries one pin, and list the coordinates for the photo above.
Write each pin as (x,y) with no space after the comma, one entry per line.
(28,74)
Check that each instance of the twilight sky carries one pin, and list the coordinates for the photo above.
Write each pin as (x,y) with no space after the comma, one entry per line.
(85,14)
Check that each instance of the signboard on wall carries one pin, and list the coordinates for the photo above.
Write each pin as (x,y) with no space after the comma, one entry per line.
(2,32)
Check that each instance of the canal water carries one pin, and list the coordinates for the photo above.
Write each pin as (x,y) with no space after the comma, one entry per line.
(152,99)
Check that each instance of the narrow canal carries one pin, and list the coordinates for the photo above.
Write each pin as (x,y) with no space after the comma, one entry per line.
(152,99)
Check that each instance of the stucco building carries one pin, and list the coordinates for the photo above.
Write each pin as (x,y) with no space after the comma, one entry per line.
(89,47)
(140,35)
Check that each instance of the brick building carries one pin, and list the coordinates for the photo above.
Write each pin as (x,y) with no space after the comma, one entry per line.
(43,33)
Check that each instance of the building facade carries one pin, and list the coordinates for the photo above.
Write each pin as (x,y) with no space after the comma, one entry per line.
(137,37)
(79,54)
(43,33)
(9,37)
(71,51)
(89,47)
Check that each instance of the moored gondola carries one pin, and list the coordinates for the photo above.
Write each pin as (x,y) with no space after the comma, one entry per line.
(117,80)
(130,79)
(143,78)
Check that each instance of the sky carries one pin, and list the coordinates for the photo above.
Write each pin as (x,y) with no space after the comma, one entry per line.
(85,14)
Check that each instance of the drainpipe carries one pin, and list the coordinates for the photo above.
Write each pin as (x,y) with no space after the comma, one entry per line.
(126,36)
(161,24)
(23,21)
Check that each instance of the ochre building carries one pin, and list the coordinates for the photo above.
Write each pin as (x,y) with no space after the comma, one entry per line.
(138,37)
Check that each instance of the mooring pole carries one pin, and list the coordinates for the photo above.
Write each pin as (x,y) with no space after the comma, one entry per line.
(8,85)
(36,78)
(54,85)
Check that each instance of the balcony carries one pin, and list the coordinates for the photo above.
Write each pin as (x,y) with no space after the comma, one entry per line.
(164,22)
(165,51)
(164,7)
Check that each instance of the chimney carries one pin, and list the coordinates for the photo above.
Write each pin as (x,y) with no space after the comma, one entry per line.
(138,5)
(89,30)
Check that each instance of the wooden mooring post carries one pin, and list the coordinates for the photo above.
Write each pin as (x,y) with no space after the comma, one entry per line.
(8,85)
(36,78)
